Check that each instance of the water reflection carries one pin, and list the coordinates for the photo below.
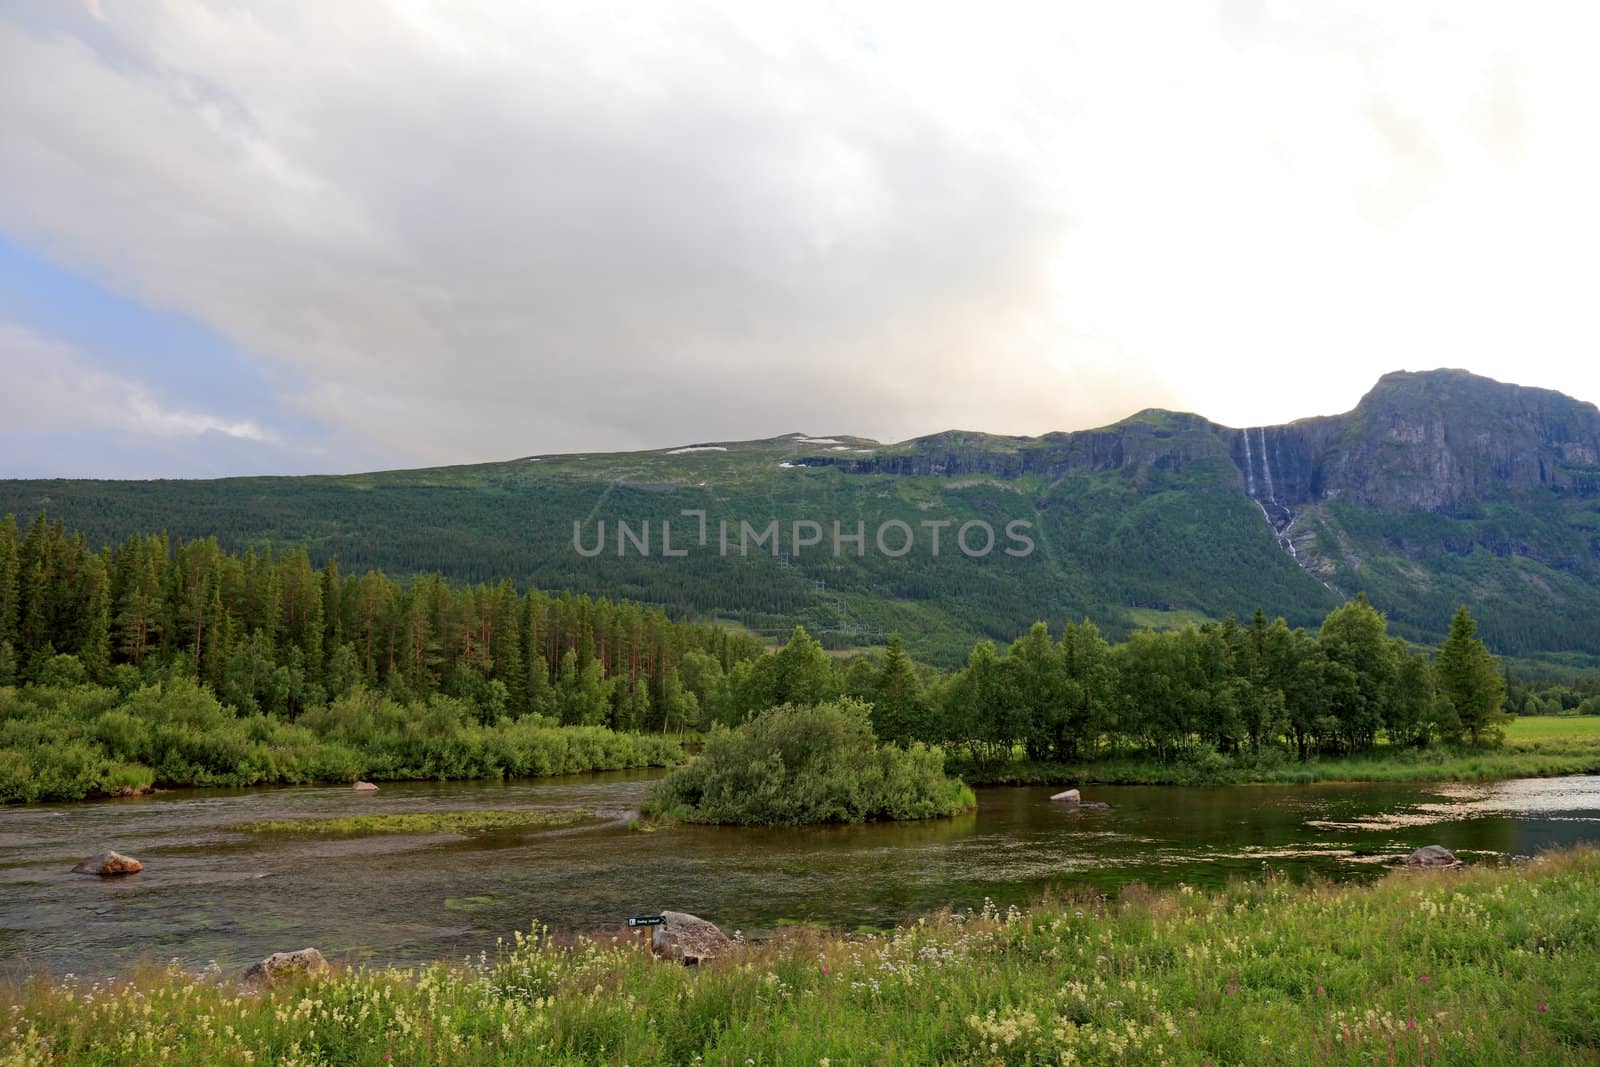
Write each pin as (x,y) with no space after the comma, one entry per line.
(212,892)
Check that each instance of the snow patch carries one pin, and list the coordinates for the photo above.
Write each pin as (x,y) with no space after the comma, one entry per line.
(819,440)
(786,465)
(697,448)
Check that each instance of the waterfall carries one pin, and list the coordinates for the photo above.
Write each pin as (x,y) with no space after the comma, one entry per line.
(1266,464)
(1249,469)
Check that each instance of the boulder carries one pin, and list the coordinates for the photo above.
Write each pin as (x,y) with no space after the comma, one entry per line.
(109,863)
(364,787)
(1071,796)
(284,964)
(1432,856)
(688,938)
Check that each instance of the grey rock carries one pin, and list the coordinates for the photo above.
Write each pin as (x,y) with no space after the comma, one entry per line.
(108,864)
(283,964)
(688,938)
(1070,796)
(364,787)
(1430,856)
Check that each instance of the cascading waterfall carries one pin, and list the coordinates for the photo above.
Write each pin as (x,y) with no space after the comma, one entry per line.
(1266,464)
(1249,469)
(1280,516)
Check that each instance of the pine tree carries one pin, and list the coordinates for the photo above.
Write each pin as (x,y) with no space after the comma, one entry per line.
(10,587)
(1469,679)
(896,697)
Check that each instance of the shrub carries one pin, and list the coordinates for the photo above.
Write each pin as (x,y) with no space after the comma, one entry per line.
(802,764)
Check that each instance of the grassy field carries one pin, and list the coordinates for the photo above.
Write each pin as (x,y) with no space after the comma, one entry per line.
(1489,966)
(1535,747)
(1554,727)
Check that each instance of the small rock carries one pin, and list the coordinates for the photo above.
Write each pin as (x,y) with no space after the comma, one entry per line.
(282,964)
(1094,804)
(109,863)
(1432,856)
(688,938)
(1071,796)
(364,787)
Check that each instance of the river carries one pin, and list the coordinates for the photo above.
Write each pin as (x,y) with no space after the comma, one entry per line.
(214,893)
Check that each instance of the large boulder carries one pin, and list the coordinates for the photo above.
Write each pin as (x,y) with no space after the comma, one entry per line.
(284,964)
(1432,856)
(364,787)
(108,864)
(688,938)
(1070,796)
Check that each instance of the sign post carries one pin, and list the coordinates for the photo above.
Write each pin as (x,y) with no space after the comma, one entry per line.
(645,922)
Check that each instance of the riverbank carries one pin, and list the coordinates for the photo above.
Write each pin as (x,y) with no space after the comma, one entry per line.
(1538,747)
(1485,966)
(87,742)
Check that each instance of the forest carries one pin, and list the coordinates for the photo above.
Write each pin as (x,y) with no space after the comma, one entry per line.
(167,662)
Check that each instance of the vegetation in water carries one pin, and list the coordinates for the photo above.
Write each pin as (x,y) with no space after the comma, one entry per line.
(1487,967)
(802,764)
(419,822)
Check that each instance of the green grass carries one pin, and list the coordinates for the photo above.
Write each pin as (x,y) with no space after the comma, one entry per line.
(1553,727)
(1487,967)
(428,822)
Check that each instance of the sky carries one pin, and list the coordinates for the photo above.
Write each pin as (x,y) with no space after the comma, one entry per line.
(296,237)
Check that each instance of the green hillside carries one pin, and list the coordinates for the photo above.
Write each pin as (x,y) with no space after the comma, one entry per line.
(1158,517)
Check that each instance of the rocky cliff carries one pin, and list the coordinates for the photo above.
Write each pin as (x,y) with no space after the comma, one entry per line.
(1426,441)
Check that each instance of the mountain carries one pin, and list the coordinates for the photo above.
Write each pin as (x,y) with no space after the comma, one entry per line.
(1439,488)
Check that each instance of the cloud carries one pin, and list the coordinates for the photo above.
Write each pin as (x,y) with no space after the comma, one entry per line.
(52,389)
(485,230)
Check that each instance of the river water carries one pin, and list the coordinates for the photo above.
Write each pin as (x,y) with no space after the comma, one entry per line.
(210,892)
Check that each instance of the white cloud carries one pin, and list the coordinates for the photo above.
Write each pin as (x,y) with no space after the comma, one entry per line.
(485,230)
(52,389)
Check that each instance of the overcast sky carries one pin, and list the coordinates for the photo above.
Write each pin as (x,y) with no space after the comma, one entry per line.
(313,236)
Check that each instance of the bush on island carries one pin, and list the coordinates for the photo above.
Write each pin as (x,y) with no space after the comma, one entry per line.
(800,764)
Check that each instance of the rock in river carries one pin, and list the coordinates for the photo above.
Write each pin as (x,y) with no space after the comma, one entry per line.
(282,964)
(1071,796)
(364,787)
(1432,856)
(688,938)
(109,863)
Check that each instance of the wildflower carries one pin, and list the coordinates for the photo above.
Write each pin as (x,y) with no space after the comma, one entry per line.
(824,968)
(1411,1024)
(1424,978)
(1543,1006)
(1320,991)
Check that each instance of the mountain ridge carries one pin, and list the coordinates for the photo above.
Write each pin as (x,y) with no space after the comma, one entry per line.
(1437,488)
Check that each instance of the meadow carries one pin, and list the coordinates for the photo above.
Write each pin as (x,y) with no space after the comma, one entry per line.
(1486,966)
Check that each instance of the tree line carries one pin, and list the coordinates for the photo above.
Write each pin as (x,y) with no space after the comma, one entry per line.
(270,634)
(1227,687)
